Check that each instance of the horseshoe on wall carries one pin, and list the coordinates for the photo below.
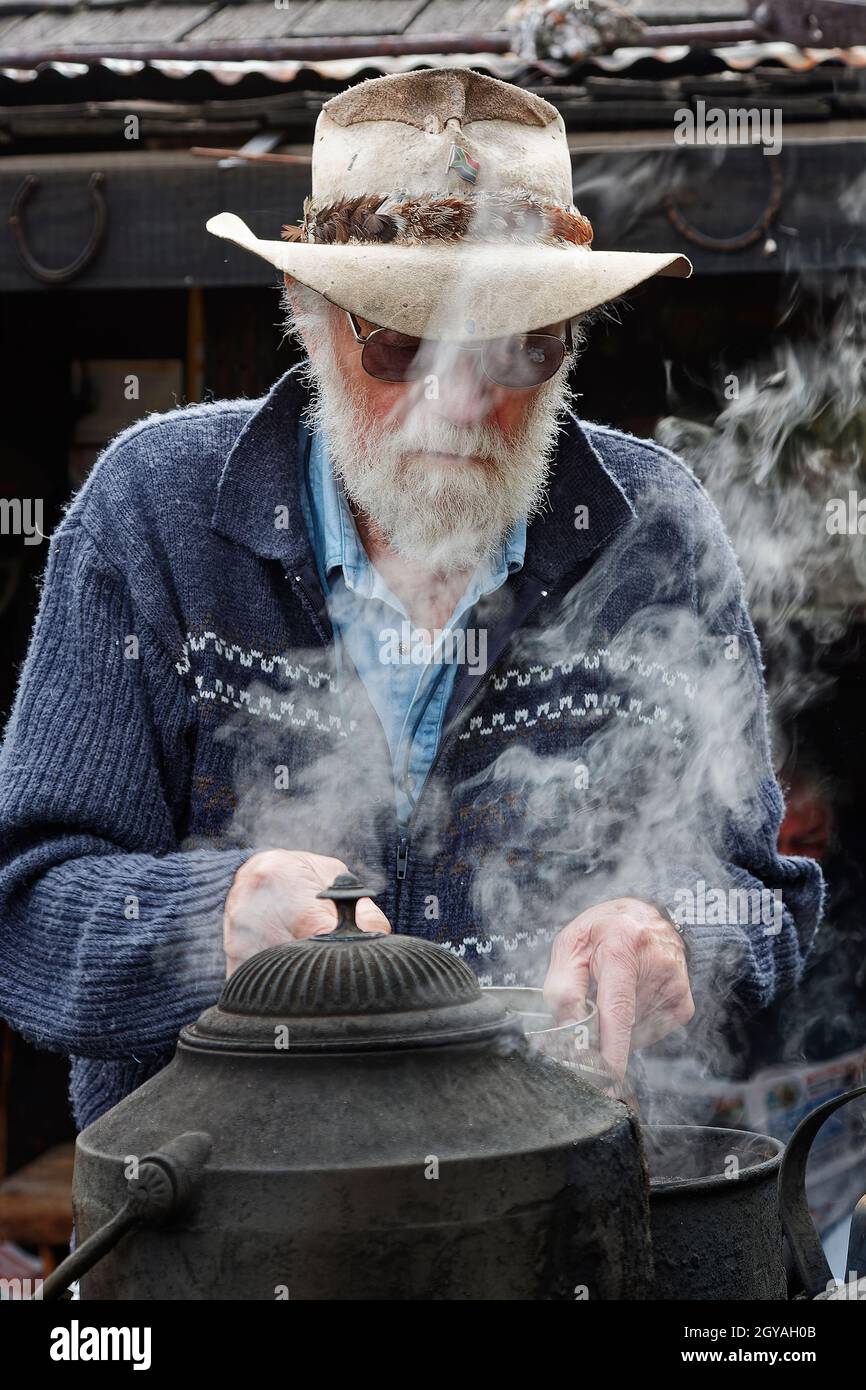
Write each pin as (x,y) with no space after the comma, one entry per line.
(735,243)
(63,274)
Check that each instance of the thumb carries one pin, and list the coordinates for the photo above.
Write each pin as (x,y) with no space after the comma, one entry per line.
(369,917)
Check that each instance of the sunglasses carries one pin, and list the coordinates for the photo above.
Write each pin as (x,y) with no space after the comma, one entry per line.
(518,362)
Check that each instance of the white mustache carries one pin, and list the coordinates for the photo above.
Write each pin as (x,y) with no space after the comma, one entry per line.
(438,436)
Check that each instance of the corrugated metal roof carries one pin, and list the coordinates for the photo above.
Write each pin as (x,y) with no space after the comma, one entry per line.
(687,11)
(106,22)
(742,58)
(460,17)
(7,22)
(337,17)
(128,24)
(444,16)
(259,20)
(336,69)
(83,31)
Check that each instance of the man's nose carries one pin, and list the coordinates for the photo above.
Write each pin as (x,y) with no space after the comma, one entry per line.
(462,393)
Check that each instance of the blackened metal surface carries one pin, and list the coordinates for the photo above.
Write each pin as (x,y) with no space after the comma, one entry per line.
(451,1174)
(381,1130)
(714,1215)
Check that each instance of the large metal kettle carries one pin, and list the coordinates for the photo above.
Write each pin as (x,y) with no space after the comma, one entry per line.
(355,1119)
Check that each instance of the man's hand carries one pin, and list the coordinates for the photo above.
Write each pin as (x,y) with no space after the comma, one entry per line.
(638,963)
(273,898)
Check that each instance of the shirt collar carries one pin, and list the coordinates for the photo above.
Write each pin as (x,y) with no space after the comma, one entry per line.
(260,483)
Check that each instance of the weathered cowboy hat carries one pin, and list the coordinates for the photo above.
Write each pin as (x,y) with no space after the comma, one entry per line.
(442,207)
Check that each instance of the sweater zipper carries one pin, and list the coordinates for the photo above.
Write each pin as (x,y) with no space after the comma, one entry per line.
(311,607)
(402,859)
(404,841)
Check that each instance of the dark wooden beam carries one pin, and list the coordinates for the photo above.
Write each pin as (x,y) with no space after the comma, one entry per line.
(158,203)
(273,50)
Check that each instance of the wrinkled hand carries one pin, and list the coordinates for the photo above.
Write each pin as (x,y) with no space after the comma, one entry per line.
(273,898)
(638,963)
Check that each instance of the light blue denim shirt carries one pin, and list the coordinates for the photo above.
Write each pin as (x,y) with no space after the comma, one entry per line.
(409,683)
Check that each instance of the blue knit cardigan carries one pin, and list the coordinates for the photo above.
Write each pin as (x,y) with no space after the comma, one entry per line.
(179,707)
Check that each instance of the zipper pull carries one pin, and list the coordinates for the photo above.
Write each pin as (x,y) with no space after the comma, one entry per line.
(402,856)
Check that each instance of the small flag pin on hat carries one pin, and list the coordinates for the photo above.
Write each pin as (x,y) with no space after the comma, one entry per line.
(463,164)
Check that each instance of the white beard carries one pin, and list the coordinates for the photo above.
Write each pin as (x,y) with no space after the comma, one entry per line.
(443,517)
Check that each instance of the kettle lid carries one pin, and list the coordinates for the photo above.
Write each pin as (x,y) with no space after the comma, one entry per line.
(349,990)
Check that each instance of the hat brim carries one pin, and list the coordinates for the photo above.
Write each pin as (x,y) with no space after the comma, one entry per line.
(455,291)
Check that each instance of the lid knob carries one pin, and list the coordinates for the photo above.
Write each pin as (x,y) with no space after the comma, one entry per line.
(345,893)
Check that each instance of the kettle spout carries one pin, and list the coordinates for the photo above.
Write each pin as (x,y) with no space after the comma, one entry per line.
(797,1223)
(856,1266)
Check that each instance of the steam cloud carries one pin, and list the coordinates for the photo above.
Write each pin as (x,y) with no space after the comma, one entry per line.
(667,756)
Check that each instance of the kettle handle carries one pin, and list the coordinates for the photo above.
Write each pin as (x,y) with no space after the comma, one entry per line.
(797,1223)
(167,1181)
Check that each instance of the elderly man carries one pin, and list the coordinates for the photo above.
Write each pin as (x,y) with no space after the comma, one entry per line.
(407,615)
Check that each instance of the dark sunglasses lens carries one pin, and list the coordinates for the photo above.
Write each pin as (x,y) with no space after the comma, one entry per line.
(523,361)
(392,356)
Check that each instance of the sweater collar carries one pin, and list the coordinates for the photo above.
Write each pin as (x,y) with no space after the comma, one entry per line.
(259,492)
